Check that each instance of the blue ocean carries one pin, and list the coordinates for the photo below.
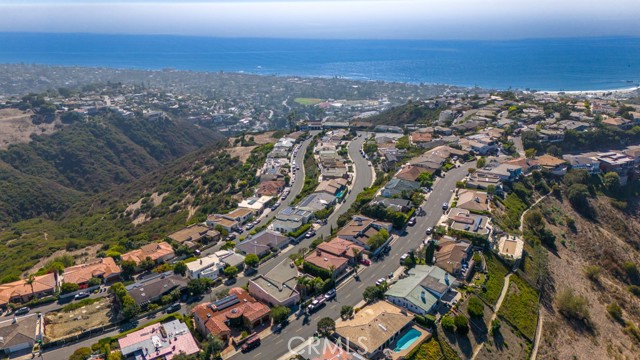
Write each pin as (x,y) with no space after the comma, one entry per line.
(556,64)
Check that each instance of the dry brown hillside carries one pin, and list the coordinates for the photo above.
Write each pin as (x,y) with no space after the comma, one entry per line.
(606,248)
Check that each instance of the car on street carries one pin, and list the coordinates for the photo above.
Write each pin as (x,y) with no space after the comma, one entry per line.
(81,295)
(250,344)
(197,252)
(429,230)
(239,231)
(231,237)
(404,257)
(380,281)
(390,276)
(316,304)
(250,271)
(330,294)
(310,234)
(173,308)
(249,227)
(366,262)
(445,206)
(411,221)
(22,311)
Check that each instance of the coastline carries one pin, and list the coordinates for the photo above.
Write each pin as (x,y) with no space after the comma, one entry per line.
(590,92)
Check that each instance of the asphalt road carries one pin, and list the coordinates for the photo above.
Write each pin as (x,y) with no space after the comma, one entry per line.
(297,185)
(350,291)
(363,178)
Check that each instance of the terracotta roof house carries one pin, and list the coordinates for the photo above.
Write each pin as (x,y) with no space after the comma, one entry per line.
(421,137)
(159,341)
(451,254)
(18,334)
(333,263)
(335,255)
(270,188)
(263,242)
(373,328)
(195,233)
(158,252)
(237,310)
(104,269)
(472,200)
(20,292)
(341,247)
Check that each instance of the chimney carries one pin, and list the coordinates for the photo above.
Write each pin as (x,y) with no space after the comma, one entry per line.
(318,252)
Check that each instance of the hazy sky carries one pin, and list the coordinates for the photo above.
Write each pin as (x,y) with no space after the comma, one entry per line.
(402,19)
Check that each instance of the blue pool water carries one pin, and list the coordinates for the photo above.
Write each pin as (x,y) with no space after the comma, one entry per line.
(543,64)
(407,339)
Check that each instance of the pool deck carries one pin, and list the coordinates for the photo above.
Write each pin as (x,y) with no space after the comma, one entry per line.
(424,335)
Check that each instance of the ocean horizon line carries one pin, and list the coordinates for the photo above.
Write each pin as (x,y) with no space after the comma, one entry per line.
(559,38)
(584,64)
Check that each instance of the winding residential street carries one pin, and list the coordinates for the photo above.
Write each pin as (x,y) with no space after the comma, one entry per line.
(350,291)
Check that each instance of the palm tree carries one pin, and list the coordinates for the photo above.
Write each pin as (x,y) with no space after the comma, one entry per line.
(356,264)
(29,281)
(332,268)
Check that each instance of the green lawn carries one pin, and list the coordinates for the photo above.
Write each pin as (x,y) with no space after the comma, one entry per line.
(307,101)
(520,306)
(433,350)
(509,219)
(495,281)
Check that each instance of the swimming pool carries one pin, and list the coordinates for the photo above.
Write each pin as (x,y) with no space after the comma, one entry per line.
(407,339)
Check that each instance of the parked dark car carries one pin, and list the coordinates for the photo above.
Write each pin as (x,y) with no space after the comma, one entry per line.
(173,308)
(250,344)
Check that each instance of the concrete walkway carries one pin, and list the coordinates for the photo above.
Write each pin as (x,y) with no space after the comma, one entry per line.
(503,294)
(536,343)
(524,212)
